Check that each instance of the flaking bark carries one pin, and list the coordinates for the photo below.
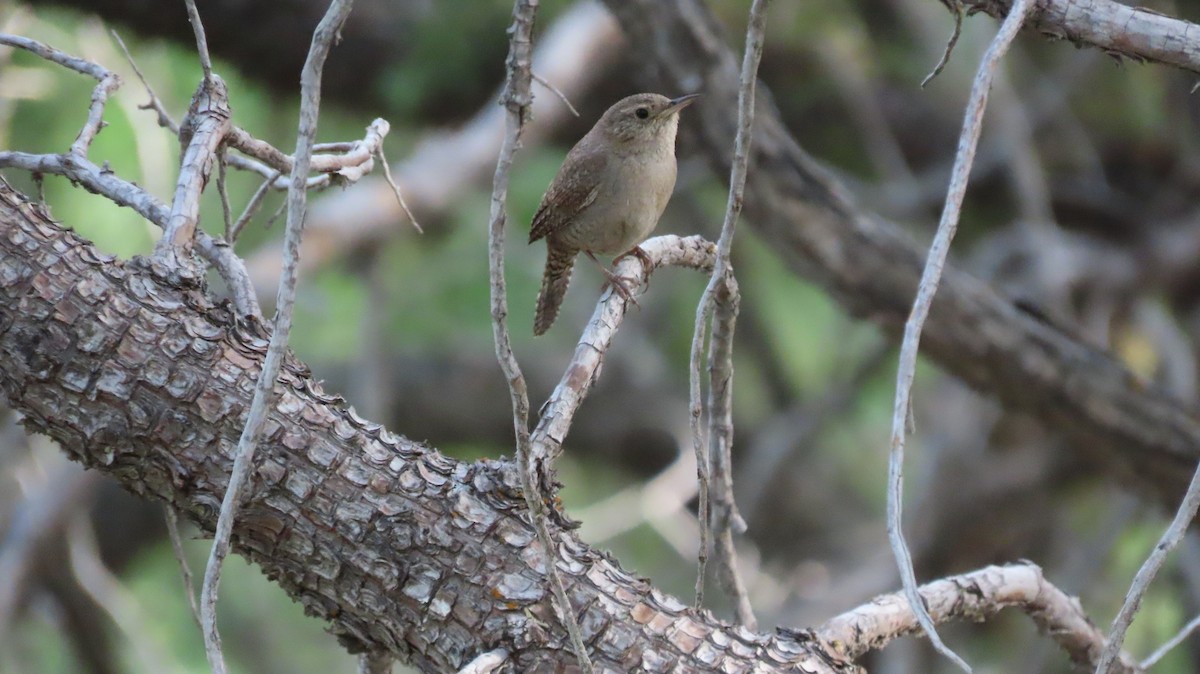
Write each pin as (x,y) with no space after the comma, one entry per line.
(400,547)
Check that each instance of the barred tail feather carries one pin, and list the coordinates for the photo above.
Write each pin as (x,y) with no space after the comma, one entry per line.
(559,262)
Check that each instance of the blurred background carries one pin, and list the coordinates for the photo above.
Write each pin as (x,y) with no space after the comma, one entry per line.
(1083,205)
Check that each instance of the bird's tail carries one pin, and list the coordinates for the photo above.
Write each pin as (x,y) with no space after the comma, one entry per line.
(559,262)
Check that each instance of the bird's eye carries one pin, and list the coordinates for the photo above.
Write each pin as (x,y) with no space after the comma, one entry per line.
(642,113)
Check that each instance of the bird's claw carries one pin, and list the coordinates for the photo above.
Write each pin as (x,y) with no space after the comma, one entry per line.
(620,286)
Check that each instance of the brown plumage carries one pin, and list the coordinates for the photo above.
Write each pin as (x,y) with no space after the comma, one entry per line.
(608,195)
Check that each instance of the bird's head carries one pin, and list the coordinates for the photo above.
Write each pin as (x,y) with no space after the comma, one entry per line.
(643,119)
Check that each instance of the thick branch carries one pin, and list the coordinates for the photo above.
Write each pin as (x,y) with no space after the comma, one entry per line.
(871,267)
(403,549)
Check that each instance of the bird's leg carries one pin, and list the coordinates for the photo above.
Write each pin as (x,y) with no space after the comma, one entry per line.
(637,252)
(619,283)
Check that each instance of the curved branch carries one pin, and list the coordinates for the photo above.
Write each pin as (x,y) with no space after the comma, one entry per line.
(974,597)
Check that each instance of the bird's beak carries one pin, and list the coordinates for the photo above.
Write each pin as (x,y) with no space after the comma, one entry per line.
(677,104)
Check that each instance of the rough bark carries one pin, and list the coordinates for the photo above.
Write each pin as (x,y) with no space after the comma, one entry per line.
(400,547)
(871,267)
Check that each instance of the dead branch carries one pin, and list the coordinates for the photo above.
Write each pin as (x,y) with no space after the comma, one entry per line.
(939,251)
(975,597)
(1121,30)
(264,389)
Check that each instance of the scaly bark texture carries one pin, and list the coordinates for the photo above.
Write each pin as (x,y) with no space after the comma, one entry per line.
(401,548)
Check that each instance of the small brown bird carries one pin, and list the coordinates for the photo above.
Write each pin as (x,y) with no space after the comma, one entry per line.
(608,195)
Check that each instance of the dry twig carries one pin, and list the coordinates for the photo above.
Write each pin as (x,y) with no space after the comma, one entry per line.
(517,98)
(938,252)
(1141,581)
(185,570)
(722,287)
(974,596)
(310,97)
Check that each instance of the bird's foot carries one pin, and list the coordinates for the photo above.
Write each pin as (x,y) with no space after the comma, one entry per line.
(620,285)
(637,252)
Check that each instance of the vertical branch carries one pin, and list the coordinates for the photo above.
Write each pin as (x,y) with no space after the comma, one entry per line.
(517,98)
(965,156)
(310,99)
(723,288)
(1149,569)
(725,516)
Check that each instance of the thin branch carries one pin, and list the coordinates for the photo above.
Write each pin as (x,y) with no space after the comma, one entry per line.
(722,277)
(930,278)
(387,175)
(517,98)
(201,41)
(204,128)
(223,192)
(164,118)
(956,8)
(1171,643)
(971,597)
(725,516)
(185,570)
(556,91)
(310,98)
(1149,569)
(252,208)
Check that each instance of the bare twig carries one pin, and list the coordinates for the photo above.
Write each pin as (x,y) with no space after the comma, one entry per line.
(251,209)
(185,570)
(1149,569)
(223,192)
(725,517)
(204,129)
(1171,643)
(201,41)
(722,279)
(975,597)
(310,98)
(556,91)
(164,118)
(387,175)
(956,8)
(968,141)
(517,98)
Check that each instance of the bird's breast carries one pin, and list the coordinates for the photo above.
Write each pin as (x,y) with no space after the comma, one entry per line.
(629,205)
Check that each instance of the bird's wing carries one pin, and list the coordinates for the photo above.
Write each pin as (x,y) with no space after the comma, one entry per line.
(570,193)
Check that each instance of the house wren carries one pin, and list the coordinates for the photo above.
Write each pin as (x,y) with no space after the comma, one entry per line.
(608,195)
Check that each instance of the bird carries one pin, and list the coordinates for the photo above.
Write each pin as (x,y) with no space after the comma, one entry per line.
(608,195)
